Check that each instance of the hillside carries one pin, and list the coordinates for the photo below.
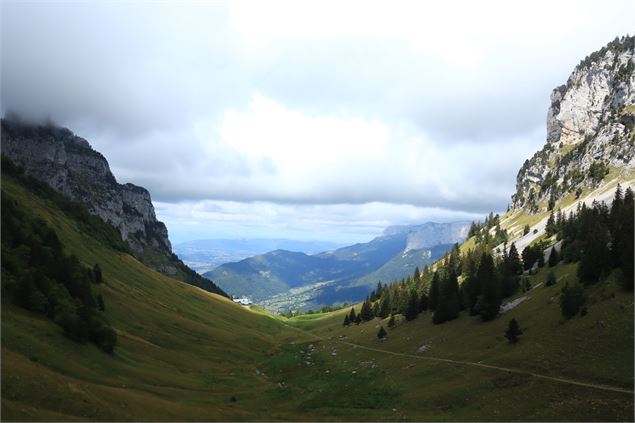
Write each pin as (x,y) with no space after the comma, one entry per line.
(69,165)
(283,280)
(185,354)
(204,255)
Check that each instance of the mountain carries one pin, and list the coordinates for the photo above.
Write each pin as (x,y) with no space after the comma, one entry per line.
(69,165)
(281,280)
(184,354)
(206,254)
(590,130)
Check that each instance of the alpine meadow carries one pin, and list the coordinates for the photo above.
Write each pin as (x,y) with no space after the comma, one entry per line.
(329,228)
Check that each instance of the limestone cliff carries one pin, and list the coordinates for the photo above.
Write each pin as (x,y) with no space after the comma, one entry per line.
(590,129)
(69,165)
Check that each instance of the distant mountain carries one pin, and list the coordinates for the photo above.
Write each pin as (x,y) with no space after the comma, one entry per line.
(283,279)
(206,254)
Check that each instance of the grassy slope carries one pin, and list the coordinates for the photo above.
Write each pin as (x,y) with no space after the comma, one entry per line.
(183,353)
(595,349)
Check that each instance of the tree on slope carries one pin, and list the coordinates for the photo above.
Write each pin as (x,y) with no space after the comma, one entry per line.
(513,331)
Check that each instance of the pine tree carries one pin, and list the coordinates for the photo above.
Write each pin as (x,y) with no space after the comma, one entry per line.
(434,291)
(352,317)
(515,265)
(571,299)
(417,275)
(412,311)
(100,303)
(596,257)
(384,305)
(366,312)
(382,333)
(551,228)
(490,300)
(554,258)
(346,321)
(513,331)
(97,273)
(391,321)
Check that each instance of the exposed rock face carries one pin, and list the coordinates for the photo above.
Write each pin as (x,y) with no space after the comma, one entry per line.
(68,164)
(590,128)
(430,234)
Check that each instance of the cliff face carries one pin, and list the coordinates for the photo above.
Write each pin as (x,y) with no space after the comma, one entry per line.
(430,234)
(69,165)
(590,128)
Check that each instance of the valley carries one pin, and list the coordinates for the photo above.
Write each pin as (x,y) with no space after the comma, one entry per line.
(524,315)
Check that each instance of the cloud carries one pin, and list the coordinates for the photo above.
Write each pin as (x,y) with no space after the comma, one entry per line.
(432,106)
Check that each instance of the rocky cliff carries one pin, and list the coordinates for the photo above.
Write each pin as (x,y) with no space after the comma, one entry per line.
(69,164)
(590,129)
(430,234)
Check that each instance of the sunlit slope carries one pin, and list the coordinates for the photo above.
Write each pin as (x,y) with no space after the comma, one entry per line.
(182,352)
(469,371)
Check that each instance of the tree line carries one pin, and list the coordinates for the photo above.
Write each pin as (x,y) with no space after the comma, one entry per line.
(37,275)
(598,237)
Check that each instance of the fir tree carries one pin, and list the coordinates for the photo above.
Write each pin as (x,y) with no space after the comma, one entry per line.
(434,291)
(366,312)
(382,333)
(554,258)
(97,273)
(391,321)
(571,299)
(346,321)
(551,228)
(384,305)
(490,299)
(413,306)
(513,331)
(100,303)
(352,317)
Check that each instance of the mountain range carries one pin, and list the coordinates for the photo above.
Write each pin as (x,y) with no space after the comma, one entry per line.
(95,327)
(204,255)
(283,280)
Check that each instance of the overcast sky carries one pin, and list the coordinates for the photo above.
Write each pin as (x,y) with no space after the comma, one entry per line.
(310,120)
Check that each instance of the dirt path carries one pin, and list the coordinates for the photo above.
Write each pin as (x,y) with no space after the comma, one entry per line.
(474,364)
(488,366)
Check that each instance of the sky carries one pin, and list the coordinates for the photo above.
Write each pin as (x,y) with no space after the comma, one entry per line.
(324,120)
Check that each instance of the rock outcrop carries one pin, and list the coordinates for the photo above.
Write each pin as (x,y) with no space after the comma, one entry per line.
(69,165)
(590,129)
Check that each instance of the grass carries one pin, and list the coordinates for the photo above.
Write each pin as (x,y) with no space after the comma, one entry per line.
(186,354)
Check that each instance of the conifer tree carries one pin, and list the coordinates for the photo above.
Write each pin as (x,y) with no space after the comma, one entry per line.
(100,303)
(384,305)
(366,312)
(434,291)
(97,273)
(382,333)
(413,306)
(554,258)
(513,331)
(346,321)
(490,300)
(391,321)
(551,228)
(352,317)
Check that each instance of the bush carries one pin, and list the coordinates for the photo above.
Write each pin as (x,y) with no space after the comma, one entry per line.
(551,279)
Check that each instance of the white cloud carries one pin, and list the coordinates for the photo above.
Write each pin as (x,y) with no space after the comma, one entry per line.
(420,105)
